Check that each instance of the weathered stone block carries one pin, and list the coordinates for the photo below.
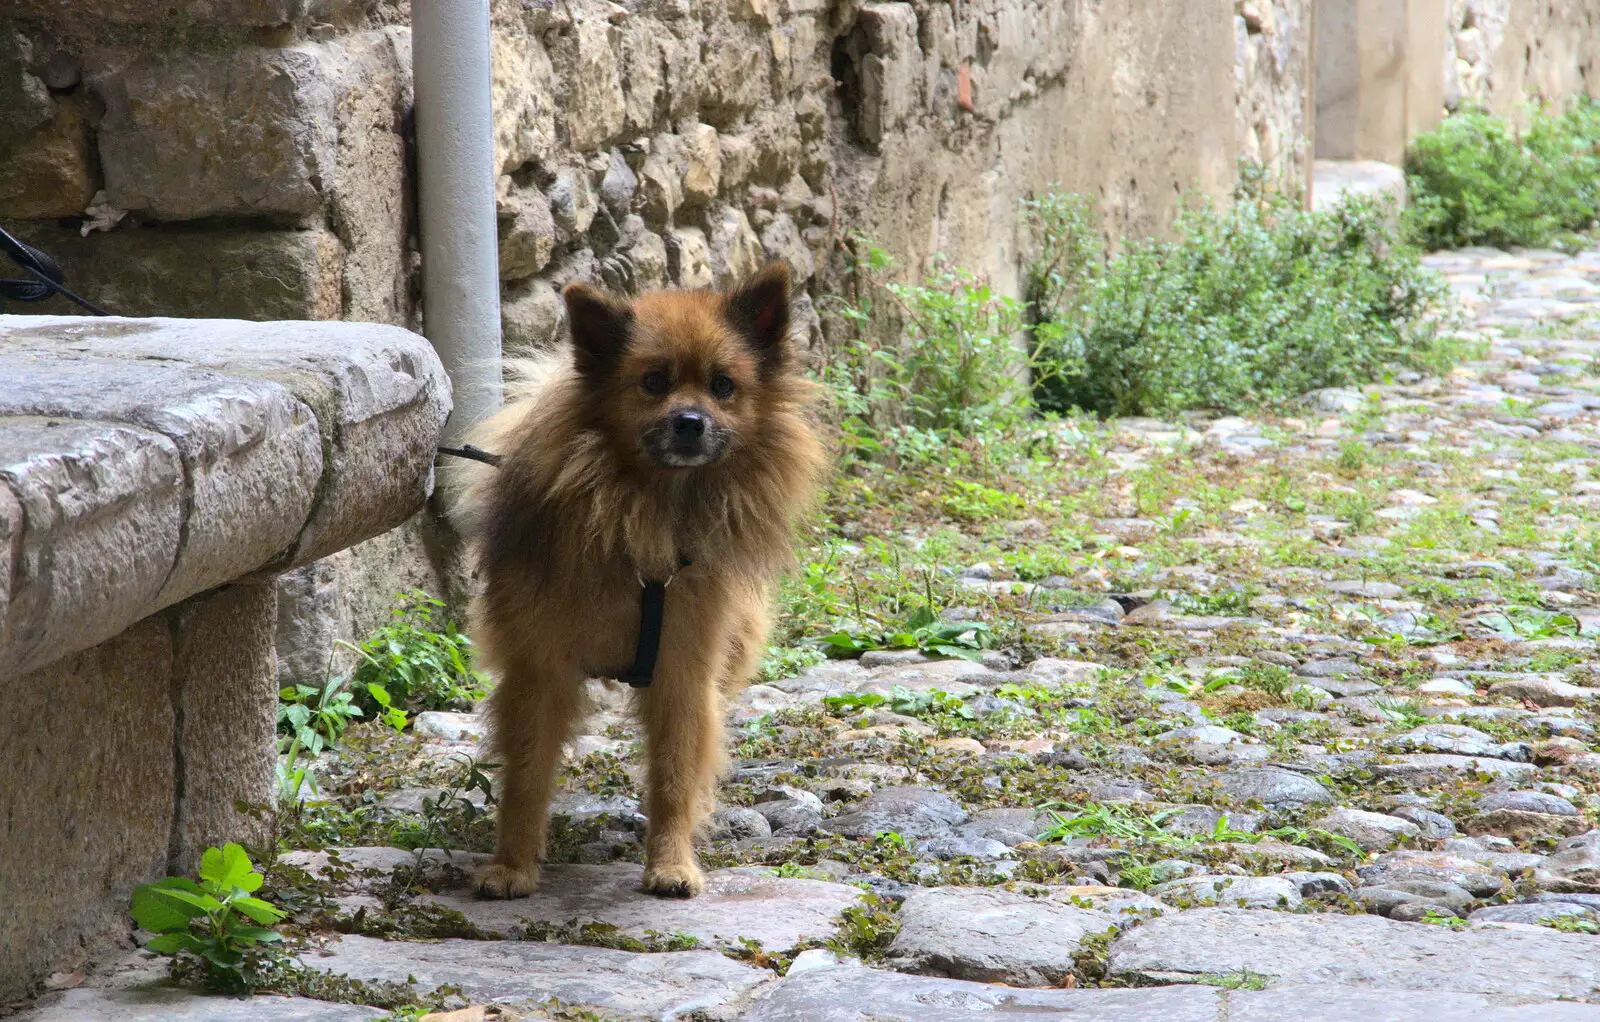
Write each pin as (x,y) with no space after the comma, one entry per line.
(86,807)
(45,172)
(370,74)
(527,231)
(169,271)
(702,172)
(101,516)
(689,258)
(642,74)
(250,450)
(781,241)
(888,72)
(522,82)
(596,109)
(307,623)
(531,316)
(248,132)
(156,12)
(573,201)
(224,683)
(661,179)
(378,394)
(735,248)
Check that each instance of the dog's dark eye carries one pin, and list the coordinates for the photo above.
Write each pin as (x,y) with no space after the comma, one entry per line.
(656,382)
(721,386)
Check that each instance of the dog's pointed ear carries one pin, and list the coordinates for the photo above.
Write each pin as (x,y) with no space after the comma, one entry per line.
(601,328)
(759,308)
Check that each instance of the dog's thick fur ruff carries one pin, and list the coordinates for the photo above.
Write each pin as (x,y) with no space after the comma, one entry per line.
(578,514)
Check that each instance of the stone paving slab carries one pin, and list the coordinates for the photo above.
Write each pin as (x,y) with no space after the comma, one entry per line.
(780,912)
(166,1004)
(1358,951)
(845,993)
(991,936)
(1347,1004)
(650,986)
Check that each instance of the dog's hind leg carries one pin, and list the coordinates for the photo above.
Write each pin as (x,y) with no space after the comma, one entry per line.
(533,713)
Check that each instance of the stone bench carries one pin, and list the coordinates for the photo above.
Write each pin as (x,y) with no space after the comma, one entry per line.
(156,475)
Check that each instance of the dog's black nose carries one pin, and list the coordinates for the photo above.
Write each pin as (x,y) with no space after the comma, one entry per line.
(689,425)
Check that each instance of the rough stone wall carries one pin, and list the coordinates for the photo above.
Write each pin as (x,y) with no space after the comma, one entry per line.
(1272,58)
(245,158)
(1499,52)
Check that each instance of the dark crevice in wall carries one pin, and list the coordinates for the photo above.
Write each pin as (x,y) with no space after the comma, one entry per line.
(845,66)
(179,766)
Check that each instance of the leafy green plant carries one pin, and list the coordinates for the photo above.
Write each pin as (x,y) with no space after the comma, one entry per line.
(1311,837)
(219,920)
(1477,180)
(904,701)
(447,815)
(866,930)
(310,718)
(1435,918)
(1256,303)
(976,502)
(1114,821)
(787,661)
(315,716)
(1572,924)
(923,630)
(1406,714)
(388,713)
(1272,679)
(1518,623)
(1224,602)
(1189,688)
(417,662)
(1244,979)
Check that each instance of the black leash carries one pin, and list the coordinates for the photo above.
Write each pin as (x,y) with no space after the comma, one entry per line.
(652,595)
(472,453)
(47,276)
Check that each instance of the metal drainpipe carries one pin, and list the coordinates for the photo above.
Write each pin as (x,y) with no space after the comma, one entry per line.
(456,201)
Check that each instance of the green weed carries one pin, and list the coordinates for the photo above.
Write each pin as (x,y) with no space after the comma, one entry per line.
(218,921)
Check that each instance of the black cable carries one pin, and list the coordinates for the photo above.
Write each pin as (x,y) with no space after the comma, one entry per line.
(47,271)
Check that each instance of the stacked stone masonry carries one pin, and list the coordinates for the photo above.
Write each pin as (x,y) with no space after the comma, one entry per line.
(155,477)
(248,159)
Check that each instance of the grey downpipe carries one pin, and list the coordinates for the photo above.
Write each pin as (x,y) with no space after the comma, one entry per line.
(456,202)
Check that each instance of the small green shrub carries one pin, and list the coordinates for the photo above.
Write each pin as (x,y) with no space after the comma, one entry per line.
(219,921)
(1256,303)
(940,356)
(1476,180)
(416,663)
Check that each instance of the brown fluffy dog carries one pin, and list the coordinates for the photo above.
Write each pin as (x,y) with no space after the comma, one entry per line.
(672,433)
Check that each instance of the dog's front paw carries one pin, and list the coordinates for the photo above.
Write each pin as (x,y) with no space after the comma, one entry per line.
(500,881)
(675,880)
